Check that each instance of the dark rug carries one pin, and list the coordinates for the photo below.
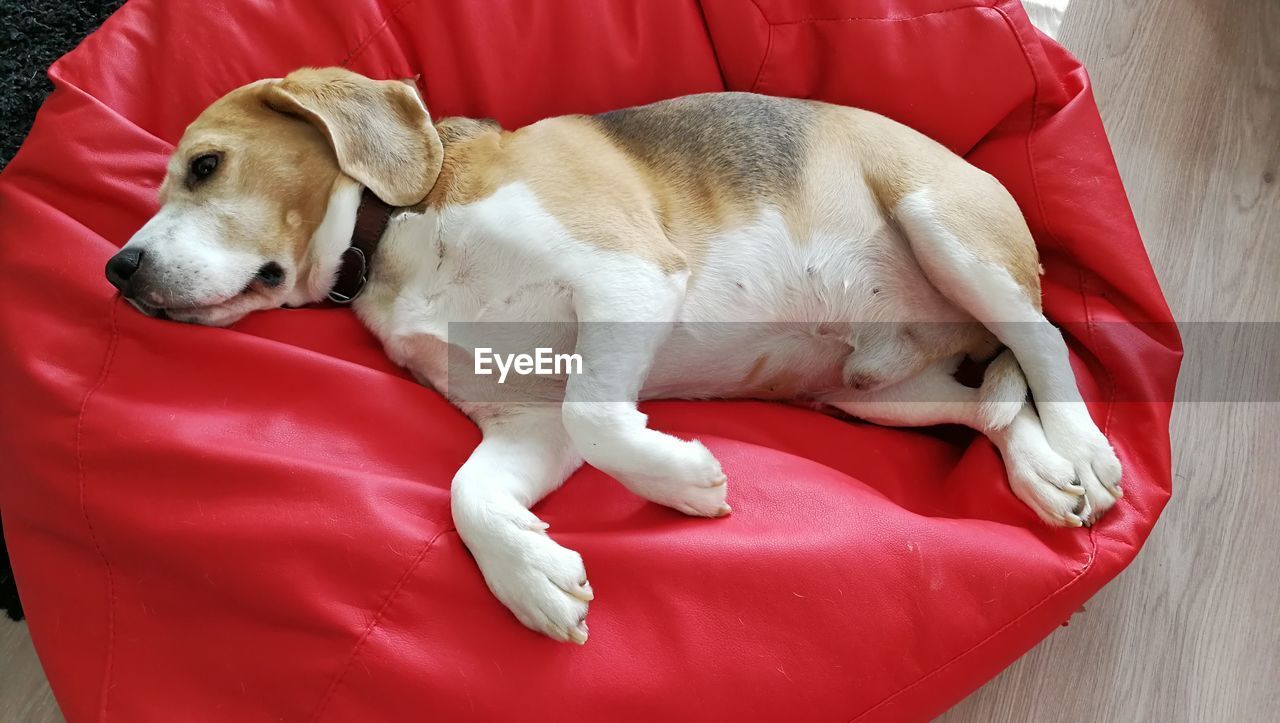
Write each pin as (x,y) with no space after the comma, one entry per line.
(33,34)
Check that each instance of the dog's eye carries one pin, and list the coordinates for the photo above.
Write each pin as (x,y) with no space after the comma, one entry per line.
(203,166)
(271,274)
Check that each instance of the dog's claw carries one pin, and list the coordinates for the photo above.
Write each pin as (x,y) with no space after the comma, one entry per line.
(583,592)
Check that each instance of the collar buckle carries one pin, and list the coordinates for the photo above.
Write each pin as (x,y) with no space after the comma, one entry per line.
(372,218)
(351,278)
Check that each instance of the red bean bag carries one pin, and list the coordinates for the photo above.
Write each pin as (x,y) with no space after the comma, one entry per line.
(252,523)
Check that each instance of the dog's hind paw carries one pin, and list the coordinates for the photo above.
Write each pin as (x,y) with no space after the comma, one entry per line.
(688,479)
(1064,490)
(542,583)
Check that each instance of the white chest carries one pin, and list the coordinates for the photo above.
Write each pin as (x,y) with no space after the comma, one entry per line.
(476,275)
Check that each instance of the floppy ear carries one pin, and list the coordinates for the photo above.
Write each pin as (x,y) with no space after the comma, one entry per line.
(379,129)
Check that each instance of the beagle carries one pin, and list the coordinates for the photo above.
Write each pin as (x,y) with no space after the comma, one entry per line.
(716,245)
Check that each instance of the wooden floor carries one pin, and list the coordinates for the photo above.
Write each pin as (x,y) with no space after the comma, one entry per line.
(1190,93)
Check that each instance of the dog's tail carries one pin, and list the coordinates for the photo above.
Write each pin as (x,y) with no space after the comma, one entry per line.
(1003,392)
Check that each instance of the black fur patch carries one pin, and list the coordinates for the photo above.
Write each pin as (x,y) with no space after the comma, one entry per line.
(754,144)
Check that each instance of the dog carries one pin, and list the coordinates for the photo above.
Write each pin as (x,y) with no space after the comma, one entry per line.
(716,245)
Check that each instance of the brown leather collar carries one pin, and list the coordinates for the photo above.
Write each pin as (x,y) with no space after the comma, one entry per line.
(371,222)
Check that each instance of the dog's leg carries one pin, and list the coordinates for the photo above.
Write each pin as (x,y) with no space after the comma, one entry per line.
(1043,479)
(525,454)
(622,321)
(930,397)
(988,292)
(1039,476)
(882,355)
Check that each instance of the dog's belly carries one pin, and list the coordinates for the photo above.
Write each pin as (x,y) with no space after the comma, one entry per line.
(770,316)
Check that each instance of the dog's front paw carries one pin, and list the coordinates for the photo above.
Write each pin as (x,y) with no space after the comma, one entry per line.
(1046,483)
(1064,489)
(1096,465)
(685,476)
(1098,470)
(1079,440)
(542,583)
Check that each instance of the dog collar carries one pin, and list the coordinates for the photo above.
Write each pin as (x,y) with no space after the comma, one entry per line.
(371,221)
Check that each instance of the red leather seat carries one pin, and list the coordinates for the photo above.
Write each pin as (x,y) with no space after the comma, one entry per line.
(253,524)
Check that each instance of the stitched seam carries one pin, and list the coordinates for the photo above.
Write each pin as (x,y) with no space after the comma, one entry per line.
(715,52)
(1090,324)
(103,695)
(879,19)
(61,81)
(386,22)
(56,74)
(1093,543)
(373,625)
(1084,298)
(768,48)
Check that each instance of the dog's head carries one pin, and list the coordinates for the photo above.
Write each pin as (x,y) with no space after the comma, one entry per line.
(249,187)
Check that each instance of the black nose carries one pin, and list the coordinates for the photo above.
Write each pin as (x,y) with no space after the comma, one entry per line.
(122,266)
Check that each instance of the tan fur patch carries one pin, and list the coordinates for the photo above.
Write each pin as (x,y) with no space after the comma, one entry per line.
(712,161)
(896,160)
(659,181)
(380,131)
(270,161)
(585,182)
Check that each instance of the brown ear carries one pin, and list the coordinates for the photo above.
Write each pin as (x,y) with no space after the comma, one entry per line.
(379,129)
